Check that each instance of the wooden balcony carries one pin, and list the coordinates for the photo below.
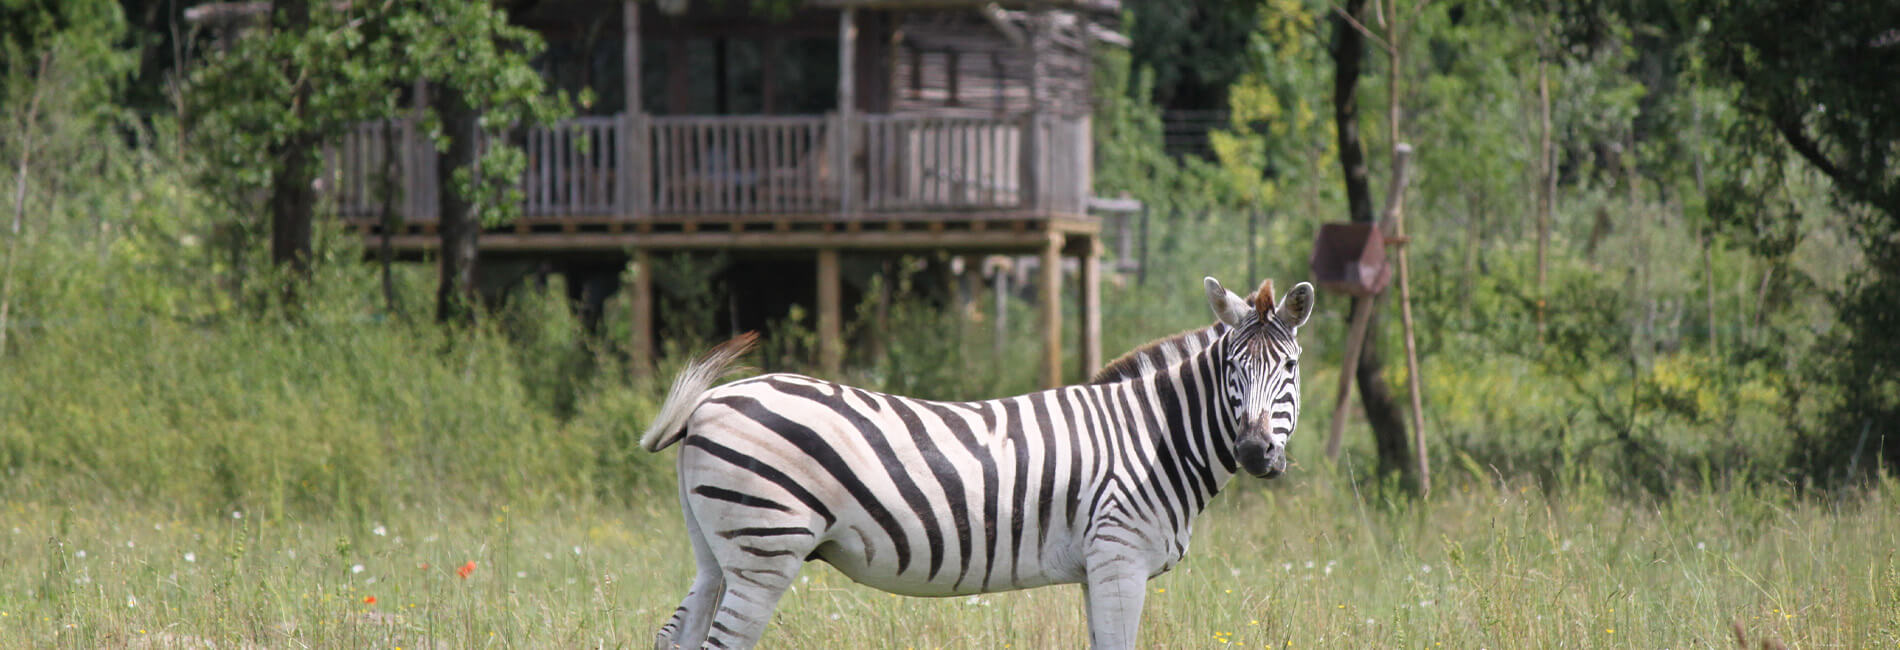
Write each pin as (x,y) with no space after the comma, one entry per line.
(637,173)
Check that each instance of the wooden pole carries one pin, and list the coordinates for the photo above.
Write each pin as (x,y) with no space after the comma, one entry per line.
(1049,301)
(1548,190)
(1362,309)
(641,340)
(1091,307)
(1395,212)
(830,349)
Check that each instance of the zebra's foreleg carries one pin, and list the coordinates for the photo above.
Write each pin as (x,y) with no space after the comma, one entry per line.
(1117,584)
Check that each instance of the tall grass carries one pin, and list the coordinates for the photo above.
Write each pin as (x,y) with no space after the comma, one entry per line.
(1312,562)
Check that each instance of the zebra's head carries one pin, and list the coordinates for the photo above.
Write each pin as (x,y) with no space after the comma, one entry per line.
(1260,371)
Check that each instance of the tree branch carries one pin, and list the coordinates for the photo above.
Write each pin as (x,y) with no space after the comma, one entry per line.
(1797,138)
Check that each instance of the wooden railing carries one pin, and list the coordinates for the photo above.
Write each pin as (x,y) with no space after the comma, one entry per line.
(747,165)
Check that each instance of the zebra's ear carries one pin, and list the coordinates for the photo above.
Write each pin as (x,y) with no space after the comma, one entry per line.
(1296,307)
(1229,308)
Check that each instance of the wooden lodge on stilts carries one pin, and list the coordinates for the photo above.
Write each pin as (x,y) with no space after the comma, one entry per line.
(842,131)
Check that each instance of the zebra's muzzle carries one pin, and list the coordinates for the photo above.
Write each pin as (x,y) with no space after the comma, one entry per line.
(1261,458)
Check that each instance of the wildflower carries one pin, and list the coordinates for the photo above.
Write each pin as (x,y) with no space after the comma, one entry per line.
(379,531)
(1701,546)
(129,544)
(466,569)
(131,602)
(577,551)
(1161,590)
(237,515)
(369,600)
(190,557)
(1426,568)
(358,568)
(81,555)
(521,574)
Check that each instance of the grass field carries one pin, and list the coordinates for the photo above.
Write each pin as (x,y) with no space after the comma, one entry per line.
(1311,563)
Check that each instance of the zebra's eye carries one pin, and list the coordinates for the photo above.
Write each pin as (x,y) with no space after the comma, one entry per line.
(1291,364)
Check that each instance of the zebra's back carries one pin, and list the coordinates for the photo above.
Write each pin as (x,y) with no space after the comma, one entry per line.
(911,496)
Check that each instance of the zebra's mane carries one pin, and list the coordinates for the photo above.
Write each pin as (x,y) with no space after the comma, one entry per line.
(1166,351)
(1157,354)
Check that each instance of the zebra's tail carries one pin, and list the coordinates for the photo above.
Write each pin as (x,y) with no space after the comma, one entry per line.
(692,384)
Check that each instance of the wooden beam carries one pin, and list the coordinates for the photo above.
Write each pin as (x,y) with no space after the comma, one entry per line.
(1049,302)
(830,349)
(641,342)
(1091,307)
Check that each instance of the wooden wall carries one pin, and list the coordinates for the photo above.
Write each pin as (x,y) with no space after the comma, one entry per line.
(959,62)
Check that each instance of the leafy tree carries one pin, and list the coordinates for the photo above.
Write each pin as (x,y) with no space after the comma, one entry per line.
(263,109)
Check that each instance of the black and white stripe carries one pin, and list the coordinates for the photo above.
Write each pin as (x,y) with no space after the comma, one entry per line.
(1097,484)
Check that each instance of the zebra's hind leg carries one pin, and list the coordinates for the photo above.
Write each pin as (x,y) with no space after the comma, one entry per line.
(687,628)
(754,582)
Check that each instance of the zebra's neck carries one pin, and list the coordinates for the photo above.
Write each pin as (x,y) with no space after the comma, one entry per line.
(1193,431)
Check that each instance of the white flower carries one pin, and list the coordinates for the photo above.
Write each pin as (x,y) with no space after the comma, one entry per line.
(379,531)
(370,581)
(1701,546)
(16,530)
(1425,568)
(521,574)
(1286,566)
(131,601)
(836,617)
(237,515)
(191,557)
(1309,564)
(292,553)
(130,544)
(356,568)
(81,554)
(1427,603)
(577,551)
(430,538)
(547,556)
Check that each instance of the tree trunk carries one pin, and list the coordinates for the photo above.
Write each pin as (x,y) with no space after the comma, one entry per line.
(1383,414)
(292,197)
(460,222)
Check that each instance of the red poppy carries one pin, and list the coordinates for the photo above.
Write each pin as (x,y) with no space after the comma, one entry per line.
(466,569)
(369,600)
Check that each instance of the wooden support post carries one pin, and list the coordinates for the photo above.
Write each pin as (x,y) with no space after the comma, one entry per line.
(830,349)
(641,292)
(1049,301)
(1395,212)
(847,102)
(630,55)
(1091,307)
(1000,285)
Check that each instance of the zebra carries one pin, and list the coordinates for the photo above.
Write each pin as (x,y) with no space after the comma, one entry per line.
(1096,484)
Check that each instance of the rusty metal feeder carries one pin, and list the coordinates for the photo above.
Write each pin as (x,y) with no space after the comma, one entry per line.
(1350,258)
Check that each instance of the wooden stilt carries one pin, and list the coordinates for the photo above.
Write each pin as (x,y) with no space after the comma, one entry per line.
(830,349)
(1000,285)
(1091,307)
(1049,301)
(641,293)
